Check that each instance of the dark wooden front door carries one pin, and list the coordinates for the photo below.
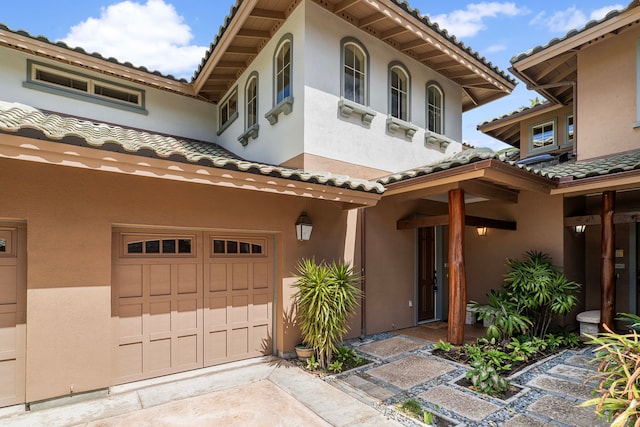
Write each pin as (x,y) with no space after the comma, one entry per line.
(426,274)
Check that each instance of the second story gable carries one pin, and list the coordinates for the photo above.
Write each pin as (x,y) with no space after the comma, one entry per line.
(590,78)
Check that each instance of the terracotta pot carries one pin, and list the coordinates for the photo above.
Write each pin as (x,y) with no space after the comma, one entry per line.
(303,352)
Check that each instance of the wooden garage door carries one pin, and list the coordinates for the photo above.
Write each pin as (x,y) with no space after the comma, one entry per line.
(12,314)
(179,303)
(238,298)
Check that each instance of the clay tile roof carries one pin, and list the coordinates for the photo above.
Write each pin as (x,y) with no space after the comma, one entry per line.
(404,5)
(94,54)
(571,33)
(464,157)
(592,168)
(16,118)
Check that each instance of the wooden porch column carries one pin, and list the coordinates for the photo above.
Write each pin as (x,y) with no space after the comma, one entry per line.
(607,261)
(457,277)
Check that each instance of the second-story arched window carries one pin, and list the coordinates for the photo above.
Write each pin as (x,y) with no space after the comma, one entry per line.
(354,71)
(435,108)
(283,70)
(399,92)
(251,101)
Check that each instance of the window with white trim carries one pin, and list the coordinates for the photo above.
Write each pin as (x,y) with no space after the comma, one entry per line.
(228,110)
(69,83)
(568,126)
(542,135)
(435,108)
(283,71)
(251,101)
(399,93)
(354,72)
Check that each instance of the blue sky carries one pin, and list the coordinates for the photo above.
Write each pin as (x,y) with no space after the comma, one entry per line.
(172,35)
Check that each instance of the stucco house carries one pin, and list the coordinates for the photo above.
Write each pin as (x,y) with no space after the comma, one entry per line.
(586,138)
(149,222)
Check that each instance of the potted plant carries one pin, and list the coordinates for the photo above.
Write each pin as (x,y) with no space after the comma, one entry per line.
(327,294)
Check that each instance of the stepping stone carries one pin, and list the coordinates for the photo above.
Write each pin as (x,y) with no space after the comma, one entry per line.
(559,409)
(585,362)
(461,403)
(410,371)
(368,387)
(391,347)
(571,372)
(564,387)
(523,421)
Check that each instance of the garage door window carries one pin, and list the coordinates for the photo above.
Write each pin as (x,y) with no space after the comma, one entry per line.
(155,247)
(3,245)
(238,247)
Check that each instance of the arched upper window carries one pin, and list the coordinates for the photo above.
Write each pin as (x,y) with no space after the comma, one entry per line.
(354,71)
(399,92)
(283,70)
(251,100)
(435,108)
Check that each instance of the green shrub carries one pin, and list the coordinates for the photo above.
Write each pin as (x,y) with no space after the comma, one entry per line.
(486,379)
(619,377)
(533,292)
(327,295)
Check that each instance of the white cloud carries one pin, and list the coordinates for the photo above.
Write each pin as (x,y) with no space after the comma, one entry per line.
(563,21)
(152,35)
(496,48)
(470,21)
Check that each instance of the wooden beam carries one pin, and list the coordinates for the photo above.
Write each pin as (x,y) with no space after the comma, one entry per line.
(420,222)
(445,65)
(607,261)
(470,220)
(244,50)
(457,276)
(490,191)
(232,64)
(477,221)
(371,19)
(393,32)
(274,15)
(254,34)
(412,44)
(343,5)
(618,218)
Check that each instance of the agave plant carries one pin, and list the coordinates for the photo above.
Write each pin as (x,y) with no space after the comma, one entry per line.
(327,295)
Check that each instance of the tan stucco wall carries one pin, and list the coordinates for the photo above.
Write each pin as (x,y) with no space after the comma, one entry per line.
(607,93)
(70,214)
(540,227)
(318,163)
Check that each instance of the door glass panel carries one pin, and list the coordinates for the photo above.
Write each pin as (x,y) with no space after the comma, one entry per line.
(169,246)
(232,247)
(245,248)
(134,248)
(152,246)
(184,246)
(256,249)
(218,246)
(3,245)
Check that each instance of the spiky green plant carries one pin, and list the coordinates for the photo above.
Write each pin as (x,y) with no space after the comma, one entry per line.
(327,295)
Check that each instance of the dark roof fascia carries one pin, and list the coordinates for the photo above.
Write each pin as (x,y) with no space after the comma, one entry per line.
(570,182)
(95,55)
(517,114)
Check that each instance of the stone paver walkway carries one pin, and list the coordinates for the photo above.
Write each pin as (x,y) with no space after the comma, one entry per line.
(404,368)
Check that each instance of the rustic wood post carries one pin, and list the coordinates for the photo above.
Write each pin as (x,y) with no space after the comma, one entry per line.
(607,261)
(457,277)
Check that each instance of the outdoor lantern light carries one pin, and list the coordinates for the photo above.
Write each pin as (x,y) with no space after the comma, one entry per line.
(580,228)
(482,231)
(303,227)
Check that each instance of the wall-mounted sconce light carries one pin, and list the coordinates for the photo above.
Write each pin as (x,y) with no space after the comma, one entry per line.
(580,228)
(304,227)
(482,231)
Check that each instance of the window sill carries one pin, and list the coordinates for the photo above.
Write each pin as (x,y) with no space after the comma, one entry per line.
(251,132)
(636,125)
(227,123)
(437,141)
(347,108)
(285,106)
(394,125)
